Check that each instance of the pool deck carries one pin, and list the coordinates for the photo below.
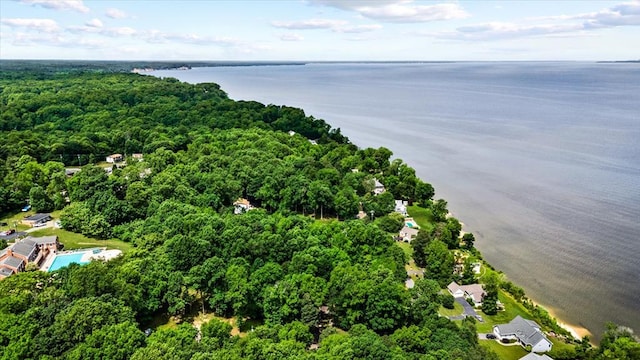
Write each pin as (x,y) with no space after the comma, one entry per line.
(87,256)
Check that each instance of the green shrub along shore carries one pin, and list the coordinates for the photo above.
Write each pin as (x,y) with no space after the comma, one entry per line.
(288,272)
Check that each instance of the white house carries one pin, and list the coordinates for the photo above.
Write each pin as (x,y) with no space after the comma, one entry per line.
(378,188)
(473,291)
(401,207)
(527,332)
(534,356)
(114,158)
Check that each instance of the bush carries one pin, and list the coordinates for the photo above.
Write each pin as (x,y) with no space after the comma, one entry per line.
(447,301)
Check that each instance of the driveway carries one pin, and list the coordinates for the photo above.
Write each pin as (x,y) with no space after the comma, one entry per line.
(468,309)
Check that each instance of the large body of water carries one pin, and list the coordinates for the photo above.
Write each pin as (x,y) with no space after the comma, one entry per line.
(541,161)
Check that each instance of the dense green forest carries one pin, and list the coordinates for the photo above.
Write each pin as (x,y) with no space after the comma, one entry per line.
(299,270)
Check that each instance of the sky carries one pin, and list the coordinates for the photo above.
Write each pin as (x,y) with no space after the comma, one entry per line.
(320,30)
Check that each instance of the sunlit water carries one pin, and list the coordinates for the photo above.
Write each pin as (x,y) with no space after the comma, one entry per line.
(541,161)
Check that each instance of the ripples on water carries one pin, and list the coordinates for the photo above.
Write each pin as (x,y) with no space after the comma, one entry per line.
(540,160)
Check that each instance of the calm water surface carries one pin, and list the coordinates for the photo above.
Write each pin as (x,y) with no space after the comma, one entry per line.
(541,161)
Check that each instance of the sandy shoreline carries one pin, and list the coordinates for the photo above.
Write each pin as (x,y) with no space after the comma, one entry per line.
(576,331)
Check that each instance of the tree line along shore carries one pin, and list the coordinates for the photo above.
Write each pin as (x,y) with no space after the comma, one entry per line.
(250,231)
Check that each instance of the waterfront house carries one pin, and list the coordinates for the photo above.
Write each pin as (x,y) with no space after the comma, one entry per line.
(401,207)
(534,356)
(475,292)
(527,332)
(114,158)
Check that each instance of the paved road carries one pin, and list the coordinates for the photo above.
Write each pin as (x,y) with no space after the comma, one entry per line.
(468,309)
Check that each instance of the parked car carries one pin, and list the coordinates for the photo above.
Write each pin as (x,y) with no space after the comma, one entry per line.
(26,208)
(505,341)
(40,224)
(491,336)
(7,232)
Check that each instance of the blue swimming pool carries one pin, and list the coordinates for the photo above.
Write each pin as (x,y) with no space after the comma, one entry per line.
(63,260)
(410,224)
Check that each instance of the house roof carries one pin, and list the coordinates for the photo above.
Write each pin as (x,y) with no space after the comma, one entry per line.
(409,231)
(42,240)
(377,183)
(114,155)
(24,248)
(475,291)
(12,261)
(38,217)
(527,331)
(534,356)
(5,271)
(242,201)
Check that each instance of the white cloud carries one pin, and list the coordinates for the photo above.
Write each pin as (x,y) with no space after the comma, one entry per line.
(24,39)
(40,25)
(76,5)
(155,36)
(399,11)
(291,37)
(115,13)
(96,23)
(333,25)
(308,24)
(120,31)
(624,14)
(357,29)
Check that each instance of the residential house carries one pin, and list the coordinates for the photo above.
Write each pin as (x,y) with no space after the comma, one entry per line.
(534,356)
(36,219)
(401,207)
(16,257)
(475,292)
(408,233)
(241,206)
(137,156)
(527,332)
(114,158)
(378,188)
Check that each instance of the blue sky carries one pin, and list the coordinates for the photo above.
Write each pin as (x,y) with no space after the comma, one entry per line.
(320,30)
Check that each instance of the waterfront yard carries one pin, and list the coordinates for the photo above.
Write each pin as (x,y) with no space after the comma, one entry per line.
(422,216)
(513,352)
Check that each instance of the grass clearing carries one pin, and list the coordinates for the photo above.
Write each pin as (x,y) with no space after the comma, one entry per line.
(512,309)
(457,310)
(422,216)
(504,352)
(74,241)
(406,247)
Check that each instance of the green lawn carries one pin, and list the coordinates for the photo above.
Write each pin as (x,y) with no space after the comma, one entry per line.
(457,310)
(406,247)
(73,241)
(16,218)
(504,352)
(512,309)
(422,216)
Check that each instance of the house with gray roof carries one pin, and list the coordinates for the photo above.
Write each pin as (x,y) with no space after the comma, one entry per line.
(534,356)
(16,257)
(36,219)
(527,332)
